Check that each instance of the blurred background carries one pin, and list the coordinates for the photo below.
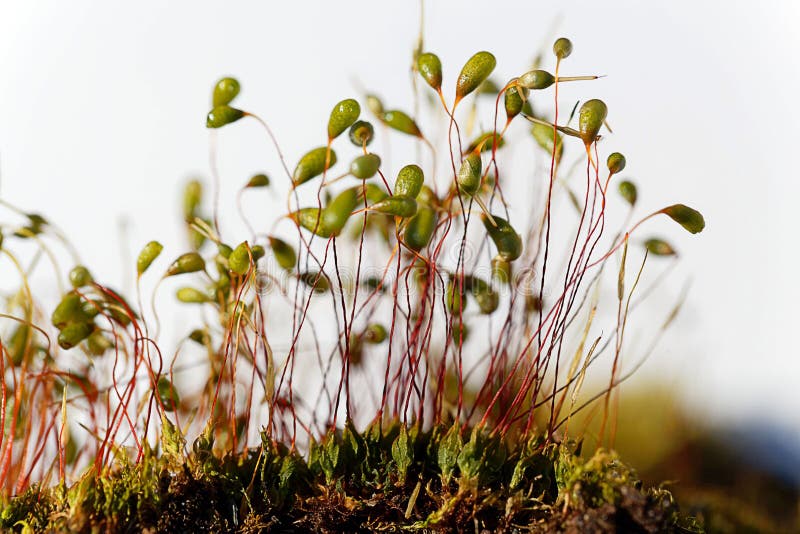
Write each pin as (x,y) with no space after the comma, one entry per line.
(103,121)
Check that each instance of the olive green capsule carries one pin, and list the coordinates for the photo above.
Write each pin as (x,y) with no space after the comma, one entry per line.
(74,333)
(659,247)
(375,105)
(533,304)
(257,252)
(190,295)
(375,334)
(355,350)
(475,71)
(225,91)
(200,337)
(562,48)
(487,87)
(401,122)
(239,260)
(501,270)
(487,298)
(469,175)
(537,79)
(167,394)
(615,163)
(430,68)
(190,262)
(222,115)
(485,142)
(91,308)
(427,196)
(338,211)
(374,193)
(398,206)
(543,135)
(514,100)
(20,343)
(420,228)
(192,197)
(591,118)
(460,332)
(224,250)
(315,280)
(374,283)
(311,220)
(365,167)
(409,181)
(505,238)
(628,191)
(258,180)
(361,133)
(343,115)
(312,164)
(691,219)
(284,253)
(148,254)
(455,300)
(98,343)
(80,276)
(69,310)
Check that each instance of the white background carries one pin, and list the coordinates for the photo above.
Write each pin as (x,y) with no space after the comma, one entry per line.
(103,108)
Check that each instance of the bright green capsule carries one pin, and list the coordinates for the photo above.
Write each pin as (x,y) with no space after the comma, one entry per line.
(505,238)
(544,134)
(475,71)
(409,181)
(311,220)
(591,118)
(69,310)
(375,105)
(397,206)
(691,219)
(375,334)
(343,115)
(454,299)
(361,133)
(514,100)
(628,191)
(190,295)
(430,68)
(225,91)
(615,163)
(191,262)
(316,281)
(312,164)
(401,122)
(167,394)
(284,253)
(148,254)
(258,180)
(420,228)
(501,270)
(239,260)
(338,211)
(487,298)
(486,142)
(192,197)
(365,166)
(659,247)
(80,276)
(562,48)
(74,333)
(223,115)
(537,79)
(469,175)
(375,193)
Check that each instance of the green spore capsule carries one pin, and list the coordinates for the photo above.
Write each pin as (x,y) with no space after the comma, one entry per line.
(258,180)
(148,254)
(200,337)
(615,163)
(487,298)
(397,206)
(475,71)
(190,295)
(72,334)
(361,133)
(374,193)
(316,281)
(365,167)
(191,262)
(225,91)
(284,253)
(239,260)
(514,100)
(97,343)
(69,310)
(257,252)
(420,228)
(192,197)
(312,164)
(311,220)
(691,219)
(659,247)
(485,142)
(427,196)
(167,394)
(628,191)
(430,68)
(375,334)
(505,238)
(338,211)
(223,115)
(343,115)
(455,300)
(544,137)
(409,181)
(591,117)
(400,121)
(501,270)
(80,276)
(562,48)
(224,250)
(375,105)
(469,175)
(537,79)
